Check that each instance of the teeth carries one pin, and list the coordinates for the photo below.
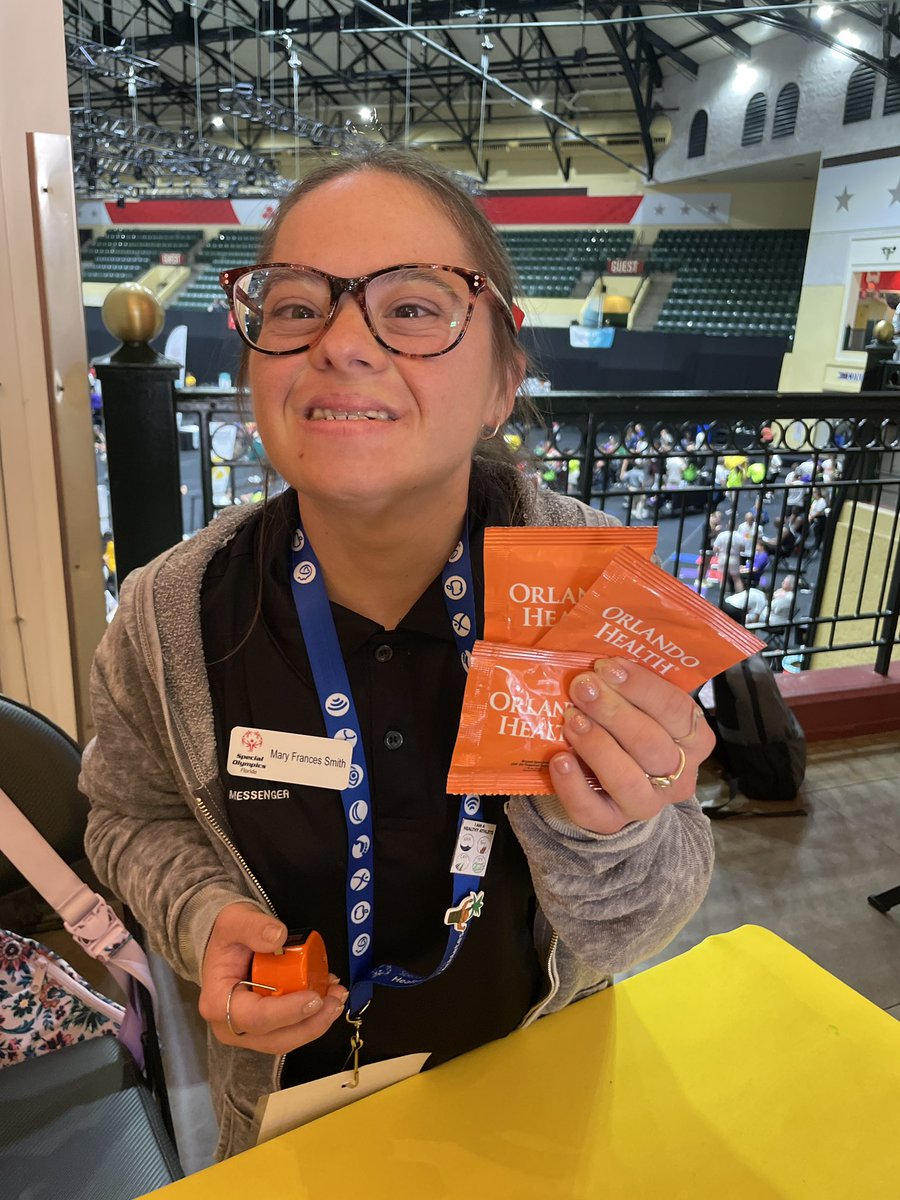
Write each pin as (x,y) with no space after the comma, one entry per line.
(330,414)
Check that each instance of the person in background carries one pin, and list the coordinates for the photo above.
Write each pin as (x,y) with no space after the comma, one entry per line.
(749,607)
(754,572)
(638,481)
(796,492)
(675,468)
(746,534)
(830,470)
(782,601)
(345,608)
(727,546)
(892,299)
(817,515)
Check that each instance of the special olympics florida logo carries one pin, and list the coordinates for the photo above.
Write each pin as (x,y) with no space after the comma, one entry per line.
(252,740)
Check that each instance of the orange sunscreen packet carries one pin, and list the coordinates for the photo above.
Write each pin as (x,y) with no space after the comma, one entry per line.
(635,610)
(532,576)
(512,719)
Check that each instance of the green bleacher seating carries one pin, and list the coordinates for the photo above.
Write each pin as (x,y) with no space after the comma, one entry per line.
(733,281)
(121,255)
(230,248)
(549,262)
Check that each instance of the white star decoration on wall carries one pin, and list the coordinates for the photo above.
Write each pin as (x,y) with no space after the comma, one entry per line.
(895,193)
(844,200)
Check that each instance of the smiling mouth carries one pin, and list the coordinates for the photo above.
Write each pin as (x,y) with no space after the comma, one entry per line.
(364,414)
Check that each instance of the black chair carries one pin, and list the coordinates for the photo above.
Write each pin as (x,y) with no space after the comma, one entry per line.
(81,1122)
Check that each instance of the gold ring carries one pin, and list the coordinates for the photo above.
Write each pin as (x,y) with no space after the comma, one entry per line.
(231,1028)
(693,729)
(664,781)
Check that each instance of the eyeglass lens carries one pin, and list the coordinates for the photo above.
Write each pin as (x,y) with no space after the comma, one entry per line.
(413,310)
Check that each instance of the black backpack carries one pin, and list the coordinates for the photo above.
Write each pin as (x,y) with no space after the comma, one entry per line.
(759,739)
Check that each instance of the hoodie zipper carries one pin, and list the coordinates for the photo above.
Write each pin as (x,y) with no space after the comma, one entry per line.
(185,747)
(234,852)
(550,968)
(242,863)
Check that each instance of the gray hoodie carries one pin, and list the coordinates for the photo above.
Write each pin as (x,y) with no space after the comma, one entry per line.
(159,836)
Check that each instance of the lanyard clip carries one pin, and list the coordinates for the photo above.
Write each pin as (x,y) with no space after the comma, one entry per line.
(356,1042)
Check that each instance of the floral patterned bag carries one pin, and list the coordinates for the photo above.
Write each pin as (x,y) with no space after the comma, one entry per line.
(44,1002)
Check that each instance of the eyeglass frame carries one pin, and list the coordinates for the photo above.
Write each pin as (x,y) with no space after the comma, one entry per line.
(355,286)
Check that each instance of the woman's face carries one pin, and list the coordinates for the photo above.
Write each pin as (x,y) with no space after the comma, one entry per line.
(437,407)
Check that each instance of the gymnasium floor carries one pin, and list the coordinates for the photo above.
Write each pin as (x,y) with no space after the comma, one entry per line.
(806,877)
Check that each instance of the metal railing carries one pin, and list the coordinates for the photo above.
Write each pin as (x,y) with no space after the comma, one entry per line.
(746,490)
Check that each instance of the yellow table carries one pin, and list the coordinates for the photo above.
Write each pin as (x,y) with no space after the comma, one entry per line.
(737,1071)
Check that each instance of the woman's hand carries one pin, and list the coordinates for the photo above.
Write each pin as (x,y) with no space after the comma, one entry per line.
(270,1024)
(627,725)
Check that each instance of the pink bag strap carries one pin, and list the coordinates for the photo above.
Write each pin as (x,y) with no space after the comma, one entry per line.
(85,914)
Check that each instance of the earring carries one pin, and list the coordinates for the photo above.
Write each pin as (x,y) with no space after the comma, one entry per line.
(486,437)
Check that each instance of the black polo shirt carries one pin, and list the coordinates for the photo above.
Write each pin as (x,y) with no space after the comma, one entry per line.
(408,687)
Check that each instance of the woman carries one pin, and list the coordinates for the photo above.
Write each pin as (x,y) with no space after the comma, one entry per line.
(817,516)
(372,405)
(753,572)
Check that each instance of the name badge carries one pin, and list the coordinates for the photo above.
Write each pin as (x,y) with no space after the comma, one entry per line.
(473,848)
(289,757)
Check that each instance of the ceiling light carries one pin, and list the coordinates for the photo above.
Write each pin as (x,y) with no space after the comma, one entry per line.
(366,113)
(824,12)
(849,37)
(744,77)
(218,122)
(538,104)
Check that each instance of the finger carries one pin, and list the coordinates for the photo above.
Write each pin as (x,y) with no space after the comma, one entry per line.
(586,807)
(605,811)
(645,714)
(617,770)
(249,926)
(277,1024)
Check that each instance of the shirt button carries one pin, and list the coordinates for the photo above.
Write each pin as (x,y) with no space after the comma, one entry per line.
(384,654)
(393,740)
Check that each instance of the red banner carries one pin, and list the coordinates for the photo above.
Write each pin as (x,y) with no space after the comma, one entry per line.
(523,209)
(172,212)
(559,210)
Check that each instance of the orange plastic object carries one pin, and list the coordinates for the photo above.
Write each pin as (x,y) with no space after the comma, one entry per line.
(301,966)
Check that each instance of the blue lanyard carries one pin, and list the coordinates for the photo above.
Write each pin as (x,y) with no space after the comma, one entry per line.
(339,713)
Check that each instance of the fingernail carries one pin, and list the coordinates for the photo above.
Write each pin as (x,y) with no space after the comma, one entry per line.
(585,688)
(577,721)
(337,1012)
(563,764)
(342,995)
(312,1006)
(274,933)
(334,979)
(612,670)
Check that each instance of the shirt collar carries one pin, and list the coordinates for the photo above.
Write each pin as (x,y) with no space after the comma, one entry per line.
(428,616)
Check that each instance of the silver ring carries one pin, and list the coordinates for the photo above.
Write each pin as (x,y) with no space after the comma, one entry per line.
(665,781)
(231,1028)
(693,729)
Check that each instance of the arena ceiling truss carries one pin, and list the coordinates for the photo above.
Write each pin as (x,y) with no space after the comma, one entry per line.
(216,93)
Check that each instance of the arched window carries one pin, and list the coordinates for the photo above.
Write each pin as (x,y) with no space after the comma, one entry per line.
(697,135)
(892,96)
(754,120)
(860,94)
(785,120)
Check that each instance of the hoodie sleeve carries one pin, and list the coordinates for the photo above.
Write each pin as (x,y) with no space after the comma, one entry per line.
(617,899)
(143,838)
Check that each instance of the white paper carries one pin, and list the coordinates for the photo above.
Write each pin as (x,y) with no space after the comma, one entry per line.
(293,1107)
(290,758)
(473,848)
